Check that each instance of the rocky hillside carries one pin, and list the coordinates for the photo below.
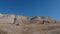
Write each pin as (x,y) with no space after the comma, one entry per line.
(17,19)
(17,24)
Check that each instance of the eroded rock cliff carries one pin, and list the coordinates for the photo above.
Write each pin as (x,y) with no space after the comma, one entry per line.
(17,24)
(17,19)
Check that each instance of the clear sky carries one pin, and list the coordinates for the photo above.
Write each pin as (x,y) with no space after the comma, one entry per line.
(31,7)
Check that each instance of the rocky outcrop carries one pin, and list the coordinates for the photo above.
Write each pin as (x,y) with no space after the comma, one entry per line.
(42,20)
(11,24)
(36,19)
(19,20)
(7,19)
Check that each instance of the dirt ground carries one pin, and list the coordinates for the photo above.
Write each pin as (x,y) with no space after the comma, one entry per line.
(30,29)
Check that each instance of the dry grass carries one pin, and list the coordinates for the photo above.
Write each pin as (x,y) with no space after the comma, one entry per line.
(3,32)
(27,29)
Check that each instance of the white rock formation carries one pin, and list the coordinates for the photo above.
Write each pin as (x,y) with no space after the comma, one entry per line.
(16,19)
(22,20)
(7,19)
(36,19)
(42,20)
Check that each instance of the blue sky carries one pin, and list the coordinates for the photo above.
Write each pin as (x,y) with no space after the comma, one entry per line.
(31,7)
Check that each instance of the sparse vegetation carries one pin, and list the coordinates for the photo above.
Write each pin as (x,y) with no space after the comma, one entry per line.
(24,25)
(29,29)
(3,32)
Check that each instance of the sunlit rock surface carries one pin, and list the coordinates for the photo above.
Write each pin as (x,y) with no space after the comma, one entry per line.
(18,19)
(7,19)
(17,24)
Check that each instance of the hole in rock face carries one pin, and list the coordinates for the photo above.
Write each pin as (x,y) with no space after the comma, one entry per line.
(17,24)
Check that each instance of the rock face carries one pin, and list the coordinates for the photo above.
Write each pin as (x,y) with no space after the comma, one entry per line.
(16,19)
(41,20)
(22,20)
(7,19)
(17,24)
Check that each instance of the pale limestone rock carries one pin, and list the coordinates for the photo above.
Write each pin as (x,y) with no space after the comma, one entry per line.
(21,20)
(36,19)
(42,20)
(7,19)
